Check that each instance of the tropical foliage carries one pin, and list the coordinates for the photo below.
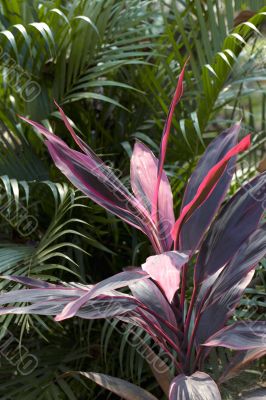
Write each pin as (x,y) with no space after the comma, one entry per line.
(112,65)
(227,257)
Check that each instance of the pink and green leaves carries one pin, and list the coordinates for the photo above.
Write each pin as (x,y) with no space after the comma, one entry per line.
(229,245)
(151,209)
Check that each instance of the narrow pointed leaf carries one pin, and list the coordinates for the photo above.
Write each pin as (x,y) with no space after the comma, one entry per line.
(240,361)
(165,136)
(108,193)
(229,286)
(244,335)
(121,388)
(152,298)
(208,185)
(119,280)
(50,299)
(235,223)
(46,304)
(76,138)
(245,260)
(90,175)
(37,283)
(193,230)
(143,174)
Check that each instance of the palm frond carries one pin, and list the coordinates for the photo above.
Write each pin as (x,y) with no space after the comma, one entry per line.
(34,247)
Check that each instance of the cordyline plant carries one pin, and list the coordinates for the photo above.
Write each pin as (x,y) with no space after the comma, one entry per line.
(225,245)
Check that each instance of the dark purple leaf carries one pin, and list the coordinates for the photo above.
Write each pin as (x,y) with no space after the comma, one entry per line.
(235,223)
(229,286)
(244,261)
(198,386)
(148,323)
(121,388)
(147,293)
(241,360)
(96,180)
(207,186)
(193,230)
(106,190)
(244,335)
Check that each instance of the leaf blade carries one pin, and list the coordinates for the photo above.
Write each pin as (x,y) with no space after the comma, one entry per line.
(122,388)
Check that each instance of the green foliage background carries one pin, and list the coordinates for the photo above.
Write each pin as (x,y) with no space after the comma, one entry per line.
(112,65)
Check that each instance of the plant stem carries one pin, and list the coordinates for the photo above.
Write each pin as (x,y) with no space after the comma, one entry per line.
(168,324)
(190,345)
(161,333)
(183,287)
(197,358)
(189,314)
(195,329)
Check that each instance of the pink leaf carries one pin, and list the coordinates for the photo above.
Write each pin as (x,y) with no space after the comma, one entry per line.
(117,281)
(143,172)
(82,145)
(89,174)
(165,270)
(177,95)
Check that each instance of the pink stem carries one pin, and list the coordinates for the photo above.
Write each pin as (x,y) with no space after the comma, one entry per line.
(189,314)
(195,329)
(191,306)
(183,287)
(191,341)
(170,326)
(161,332)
